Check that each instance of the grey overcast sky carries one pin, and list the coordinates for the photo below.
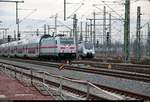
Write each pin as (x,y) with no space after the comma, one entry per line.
(83,9)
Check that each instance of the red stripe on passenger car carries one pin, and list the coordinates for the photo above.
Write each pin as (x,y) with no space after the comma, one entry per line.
(72,47)
(33,48)
(49,46)
(62,47)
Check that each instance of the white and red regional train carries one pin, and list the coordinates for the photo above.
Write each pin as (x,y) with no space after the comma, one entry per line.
(41,46)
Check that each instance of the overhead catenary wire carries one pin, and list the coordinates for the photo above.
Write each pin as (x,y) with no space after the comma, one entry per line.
(81,4)
(112,15)
(112,9)
(28,15)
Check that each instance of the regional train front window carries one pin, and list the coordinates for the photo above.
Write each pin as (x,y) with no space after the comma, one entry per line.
(66,41)
(88,45)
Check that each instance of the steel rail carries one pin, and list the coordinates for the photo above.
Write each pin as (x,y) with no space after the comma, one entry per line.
(105,87)
(145,69)
(104,71)
(89,95)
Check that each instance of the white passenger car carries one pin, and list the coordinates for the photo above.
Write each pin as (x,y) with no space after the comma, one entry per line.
(41,46)
(13,49)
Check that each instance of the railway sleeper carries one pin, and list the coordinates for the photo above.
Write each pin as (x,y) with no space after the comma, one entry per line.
(29,75)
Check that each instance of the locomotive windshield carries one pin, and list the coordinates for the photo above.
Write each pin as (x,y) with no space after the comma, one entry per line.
(66,41)
(88,45)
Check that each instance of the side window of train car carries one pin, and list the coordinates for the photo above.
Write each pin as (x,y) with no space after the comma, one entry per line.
(32,49)
(56,41)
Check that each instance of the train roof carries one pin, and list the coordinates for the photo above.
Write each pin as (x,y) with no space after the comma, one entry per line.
(57,37)
(2,45)
(37,39)
(13,43)
(33,39)
(65,37)
(22,42)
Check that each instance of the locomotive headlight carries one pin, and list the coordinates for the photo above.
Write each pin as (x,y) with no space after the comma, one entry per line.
(93,52)
(85,52)
(67,46)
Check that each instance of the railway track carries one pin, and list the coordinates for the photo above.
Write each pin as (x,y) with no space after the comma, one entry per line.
(83,94)
(94,70)
(145,61)
(75,91)
(133,96)
(145,69)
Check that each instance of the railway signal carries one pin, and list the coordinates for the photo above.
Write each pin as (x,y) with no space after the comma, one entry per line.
(9,38)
